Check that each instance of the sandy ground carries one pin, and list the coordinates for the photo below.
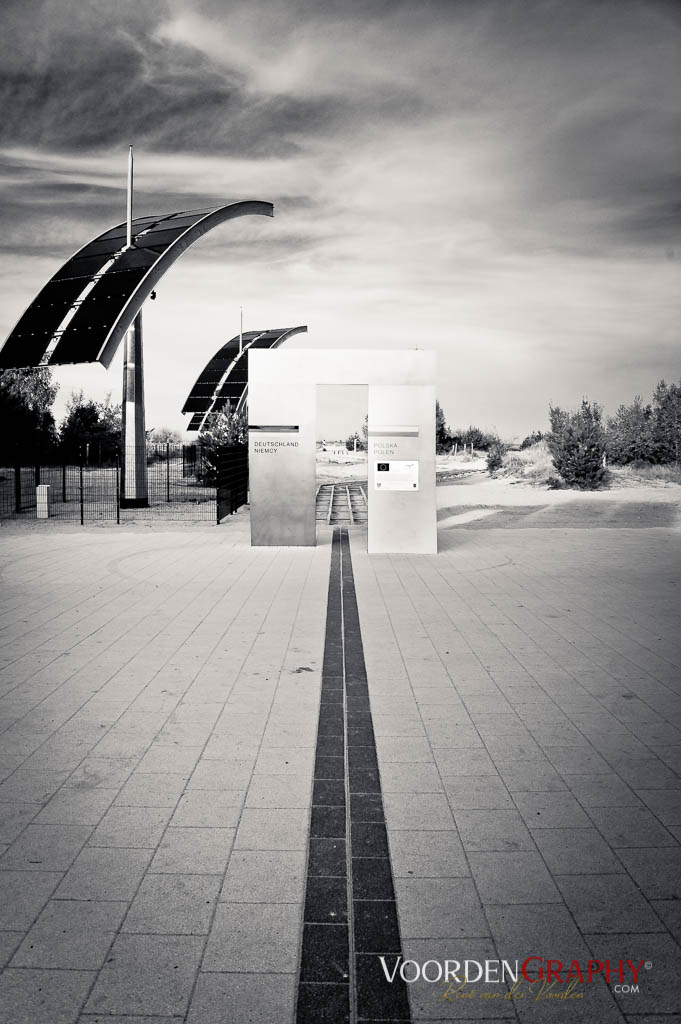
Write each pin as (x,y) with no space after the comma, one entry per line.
(481,490)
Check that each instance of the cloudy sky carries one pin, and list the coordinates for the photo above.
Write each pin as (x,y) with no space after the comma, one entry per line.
(494,179)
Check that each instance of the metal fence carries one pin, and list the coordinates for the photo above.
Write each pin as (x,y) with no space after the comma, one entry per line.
(181,484)
(232,479)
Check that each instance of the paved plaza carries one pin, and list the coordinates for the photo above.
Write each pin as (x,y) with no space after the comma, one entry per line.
(185,834)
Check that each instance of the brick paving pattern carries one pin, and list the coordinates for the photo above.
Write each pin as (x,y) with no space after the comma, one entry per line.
(159,696)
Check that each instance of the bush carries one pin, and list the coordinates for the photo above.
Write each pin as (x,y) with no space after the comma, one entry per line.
(534,438)
(630,434)
(355,443)
(577,445)
(227,428)
(495,456)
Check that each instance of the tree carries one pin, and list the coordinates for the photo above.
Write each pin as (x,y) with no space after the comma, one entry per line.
(495,455)
(355,443)
(534,438)
(577,444)
(630,433)
(91,428)
(478,438)
(667,422)
(163,435)
(27,425)
(442,436)
(227,428)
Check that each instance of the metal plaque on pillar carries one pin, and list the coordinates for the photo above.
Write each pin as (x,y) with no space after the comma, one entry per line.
(401,458)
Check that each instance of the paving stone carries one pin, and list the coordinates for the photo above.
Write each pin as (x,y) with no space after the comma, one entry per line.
(668,911)
(204,808)
(31,786)
(471,792)
(428,811)
(23,895)
(147,974)
(71,934)
(658,987)
(427,854)
(148,789)
(254,937)
(169,757)
(279,761)
(602,791)
(493,830)
(536,776)
(264,829)
(37,996)
(76,807)
(512,878)
(437,1002)
(104,874)
(431,909)
(657,872)
(9,942)
(405,749)
(221,775)
(260,998)
(578,851)
(462,761)
(265,876)
(279,791)
(519,930)
(14,817)
(194,851)
(607,903)
(101,773)
(665,803)
(131,827)
(46,848)
(630,826)
(173,905)
(551,810)
(410,778)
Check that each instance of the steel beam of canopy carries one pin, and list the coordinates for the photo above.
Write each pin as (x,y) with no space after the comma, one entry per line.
(84,311)
(224,379)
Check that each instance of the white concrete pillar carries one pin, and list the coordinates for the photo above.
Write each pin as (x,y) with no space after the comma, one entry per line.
(134,492)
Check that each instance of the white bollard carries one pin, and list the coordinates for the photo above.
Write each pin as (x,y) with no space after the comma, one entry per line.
(42,493)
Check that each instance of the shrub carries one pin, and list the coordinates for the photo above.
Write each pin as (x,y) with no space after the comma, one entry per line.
(577,445)
(630,434)
(495,456)
(534,438)
(227,428)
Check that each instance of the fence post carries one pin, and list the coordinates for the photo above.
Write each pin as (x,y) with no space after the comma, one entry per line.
(37,474)
(63,482)
(118,488)
(17,488)
(80,468)
(168,472)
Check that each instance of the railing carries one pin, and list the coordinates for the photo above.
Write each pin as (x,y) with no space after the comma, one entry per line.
(232,479)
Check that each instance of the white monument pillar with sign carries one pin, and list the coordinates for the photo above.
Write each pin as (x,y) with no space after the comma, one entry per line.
(401,457)
(282,400)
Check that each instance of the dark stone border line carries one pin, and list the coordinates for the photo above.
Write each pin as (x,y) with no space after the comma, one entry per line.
(350,917)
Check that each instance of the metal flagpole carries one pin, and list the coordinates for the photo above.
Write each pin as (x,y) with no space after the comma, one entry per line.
(128,242)
(241,329)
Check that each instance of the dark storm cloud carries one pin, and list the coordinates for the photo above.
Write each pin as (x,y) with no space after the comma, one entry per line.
(104,78)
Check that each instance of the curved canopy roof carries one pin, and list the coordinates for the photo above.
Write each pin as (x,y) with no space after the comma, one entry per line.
(83,312)
(224,380)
